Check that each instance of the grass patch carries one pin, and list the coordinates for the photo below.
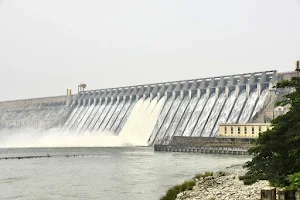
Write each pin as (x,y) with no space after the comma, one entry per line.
(198,176)
(206,174)
(171,194)
(173,191)
(248,180)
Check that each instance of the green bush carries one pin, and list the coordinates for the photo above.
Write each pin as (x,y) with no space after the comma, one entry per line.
(188,185)
(207,174)
(249,181)
(294,180)
(198,176)
(173,191)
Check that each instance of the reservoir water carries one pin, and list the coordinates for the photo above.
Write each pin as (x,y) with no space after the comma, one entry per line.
(104,173)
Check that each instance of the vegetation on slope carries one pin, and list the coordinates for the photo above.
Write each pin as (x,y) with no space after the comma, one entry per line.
(187,185)
(277,151)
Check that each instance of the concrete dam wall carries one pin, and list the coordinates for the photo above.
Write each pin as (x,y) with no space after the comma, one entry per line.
(150,114)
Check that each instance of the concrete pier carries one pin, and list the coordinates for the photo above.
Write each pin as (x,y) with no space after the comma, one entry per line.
(232,150)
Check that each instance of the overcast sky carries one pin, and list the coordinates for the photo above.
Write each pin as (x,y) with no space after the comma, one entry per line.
(47,46)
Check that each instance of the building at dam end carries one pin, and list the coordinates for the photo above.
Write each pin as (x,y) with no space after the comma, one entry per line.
(239,105)
(251,130)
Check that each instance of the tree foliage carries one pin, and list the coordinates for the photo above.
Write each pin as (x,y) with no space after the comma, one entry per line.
(277,151)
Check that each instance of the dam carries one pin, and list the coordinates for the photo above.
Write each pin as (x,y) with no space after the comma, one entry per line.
(151,114)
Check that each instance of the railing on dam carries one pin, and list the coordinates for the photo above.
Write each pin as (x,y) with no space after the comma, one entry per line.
(188,87)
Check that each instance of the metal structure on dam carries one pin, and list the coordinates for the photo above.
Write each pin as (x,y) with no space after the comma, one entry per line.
(151,113)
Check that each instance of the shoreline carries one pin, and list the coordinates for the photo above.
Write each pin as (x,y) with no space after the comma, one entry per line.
(224,187)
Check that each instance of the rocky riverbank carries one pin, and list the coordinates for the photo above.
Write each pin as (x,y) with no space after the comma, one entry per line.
(224,186)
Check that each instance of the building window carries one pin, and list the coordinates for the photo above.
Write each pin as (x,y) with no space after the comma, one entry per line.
(225,130)
(231,130)
(239,130)
(259,129)
(245,130)
(252,129)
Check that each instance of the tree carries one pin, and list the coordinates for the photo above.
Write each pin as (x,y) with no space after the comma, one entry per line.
(277,151)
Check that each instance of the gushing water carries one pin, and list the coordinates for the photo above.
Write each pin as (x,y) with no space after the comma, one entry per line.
(186,116)
(115,115)
(108,116)
(102,116)
(95,118)
(168,120)
(80,117)
(120,117)
(90,118)
(225,112)
(249,107)
(207,131)
(56,138)
(176,119)
(73,120)
(237,109)
(261,102)
(124,119)
(156,134)
(206,111)
(84,118)
(195,116)
(141,122)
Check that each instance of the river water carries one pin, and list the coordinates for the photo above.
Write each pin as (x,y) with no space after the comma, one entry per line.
(119,173)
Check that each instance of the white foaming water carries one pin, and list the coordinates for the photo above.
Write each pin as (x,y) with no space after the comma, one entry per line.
(225,112)
(55,138)
(90,118)
(207,131)
(80,117)
(125,118)
(148,121)
(248,107)
(108,116)
(206,111)
(186,116)
(153,119)
(131,121)
(84,118)
(114,116)
(168,120)
(155,134)
(95,118)
(120,117)
(195,116)
(74,118)
(136,132)
(102,116)
(176,119)
(71,117)
(237,109)
(141,122)
(261,102)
